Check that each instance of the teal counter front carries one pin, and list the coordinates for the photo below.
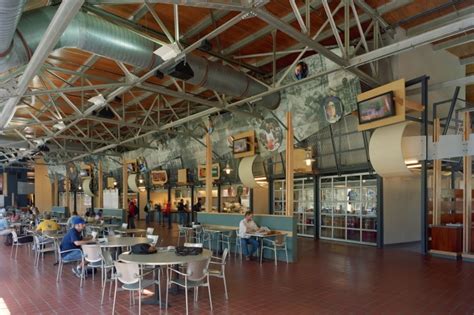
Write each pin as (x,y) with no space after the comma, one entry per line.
(283,224)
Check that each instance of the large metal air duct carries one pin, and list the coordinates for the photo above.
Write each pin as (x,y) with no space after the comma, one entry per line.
(93,34)
(10,13)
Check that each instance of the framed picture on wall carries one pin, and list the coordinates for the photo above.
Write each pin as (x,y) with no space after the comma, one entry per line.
(215,171)
(159,177)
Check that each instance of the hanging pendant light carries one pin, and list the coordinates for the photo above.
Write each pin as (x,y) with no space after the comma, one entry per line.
(227,169)
(309,157)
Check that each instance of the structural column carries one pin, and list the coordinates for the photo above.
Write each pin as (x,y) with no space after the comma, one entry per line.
(436,177)
(55,191)
(467,195)
(289,165)
(208,169)
(124,184)
(100,182)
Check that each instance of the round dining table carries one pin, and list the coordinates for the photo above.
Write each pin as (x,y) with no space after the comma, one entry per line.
(164,257)
(123,241)
(130,231)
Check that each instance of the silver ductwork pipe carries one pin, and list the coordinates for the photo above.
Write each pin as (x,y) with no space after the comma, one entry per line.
(10,13)
(91,33)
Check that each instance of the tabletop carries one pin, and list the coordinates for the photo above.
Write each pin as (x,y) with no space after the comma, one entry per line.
(130,231)
(210,228)
(264,234)
(123,241)
(165,257)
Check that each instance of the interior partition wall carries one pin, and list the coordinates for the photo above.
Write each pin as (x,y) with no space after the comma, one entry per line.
(348,208)
(303,199)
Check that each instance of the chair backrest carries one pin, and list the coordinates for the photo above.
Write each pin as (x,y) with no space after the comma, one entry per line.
(197,245)
(127,273)
(198,270)
(124,225)
(92,252)
(154,239)
(224,255)
(36,240)
(94,234)
(280,239)
(14,236)
(149,231)
(107,257)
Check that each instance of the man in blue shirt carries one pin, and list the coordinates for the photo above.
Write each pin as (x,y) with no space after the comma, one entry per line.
(72,242)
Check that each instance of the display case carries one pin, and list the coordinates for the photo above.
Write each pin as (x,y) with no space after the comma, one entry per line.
(234,199)
(348,208)
(303,198)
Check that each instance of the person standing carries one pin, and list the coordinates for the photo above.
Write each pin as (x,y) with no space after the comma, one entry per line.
(181,212)
(196,208)
(167,213)
(148,210)
(132,212)
(159,213)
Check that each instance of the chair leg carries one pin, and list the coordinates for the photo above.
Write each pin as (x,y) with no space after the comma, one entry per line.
(186,296)
(16,252)
(209,291)
(167,288)
(115,297)
(286,253)
(196,293)
(11,251)
(159,285)
(59,271)
(103,275)
(275,251)
(139,298)
(225,287)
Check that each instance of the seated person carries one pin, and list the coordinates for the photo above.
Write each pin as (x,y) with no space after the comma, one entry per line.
(247,225)
(73,240)
(69,221)
(15,217)
(4,226)
(48,225)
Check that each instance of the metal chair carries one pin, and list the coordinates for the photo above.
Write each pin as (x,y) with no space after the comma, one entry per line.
(107,264)
(41,247)
(204,237)
(226,238)
(238,245)
(129,275)
(220,273)
(93,256)
(275,245)
(62,261)
(17,242)
(197,275)
(182,233)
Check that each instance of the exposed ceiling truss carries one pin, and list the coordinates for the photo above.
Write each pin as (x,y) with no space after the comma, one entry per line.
(52,107)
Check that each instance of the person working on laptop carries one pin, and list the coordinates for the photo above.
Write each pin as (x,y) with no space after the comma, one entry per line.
(246,226)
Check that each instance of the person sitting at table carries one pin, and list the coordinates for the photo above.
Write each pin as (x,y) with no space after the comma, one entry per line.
(181,213)
(246,226)
(47,225)
(69,221)
(4,226)
(73,240)
(15,217)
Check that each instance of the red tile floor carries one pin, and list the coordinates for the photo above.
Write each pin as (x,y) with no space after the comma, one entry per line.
(328,278)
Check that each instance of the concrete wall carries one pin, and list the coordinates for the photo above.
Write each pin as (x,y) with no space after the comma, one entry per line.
(401,209)
(440,66)
(43,187)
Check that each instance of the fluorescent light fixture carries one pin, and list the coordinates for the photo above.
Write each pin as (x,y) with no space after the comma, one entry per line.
(167,52)
(22,149)
(411,162)
(414,166)
(29,136)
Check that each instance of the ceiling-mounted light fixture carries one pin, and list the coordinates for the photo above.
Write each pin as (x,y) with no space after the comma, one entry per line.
(309,157)
(167,52)
(227,169)
(59,125)
(98,102)
(80,187)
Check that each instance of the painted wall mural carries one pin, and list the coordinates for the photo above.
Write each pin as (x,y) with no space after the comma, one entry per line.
(306,101)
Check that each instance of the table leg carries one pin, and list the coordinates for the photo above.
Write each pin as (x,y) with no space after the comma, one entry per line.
(155,299)
(261,249)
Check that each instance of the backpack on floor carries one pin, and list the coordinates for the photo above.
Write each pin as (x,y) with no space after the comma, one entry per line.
(9,240)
